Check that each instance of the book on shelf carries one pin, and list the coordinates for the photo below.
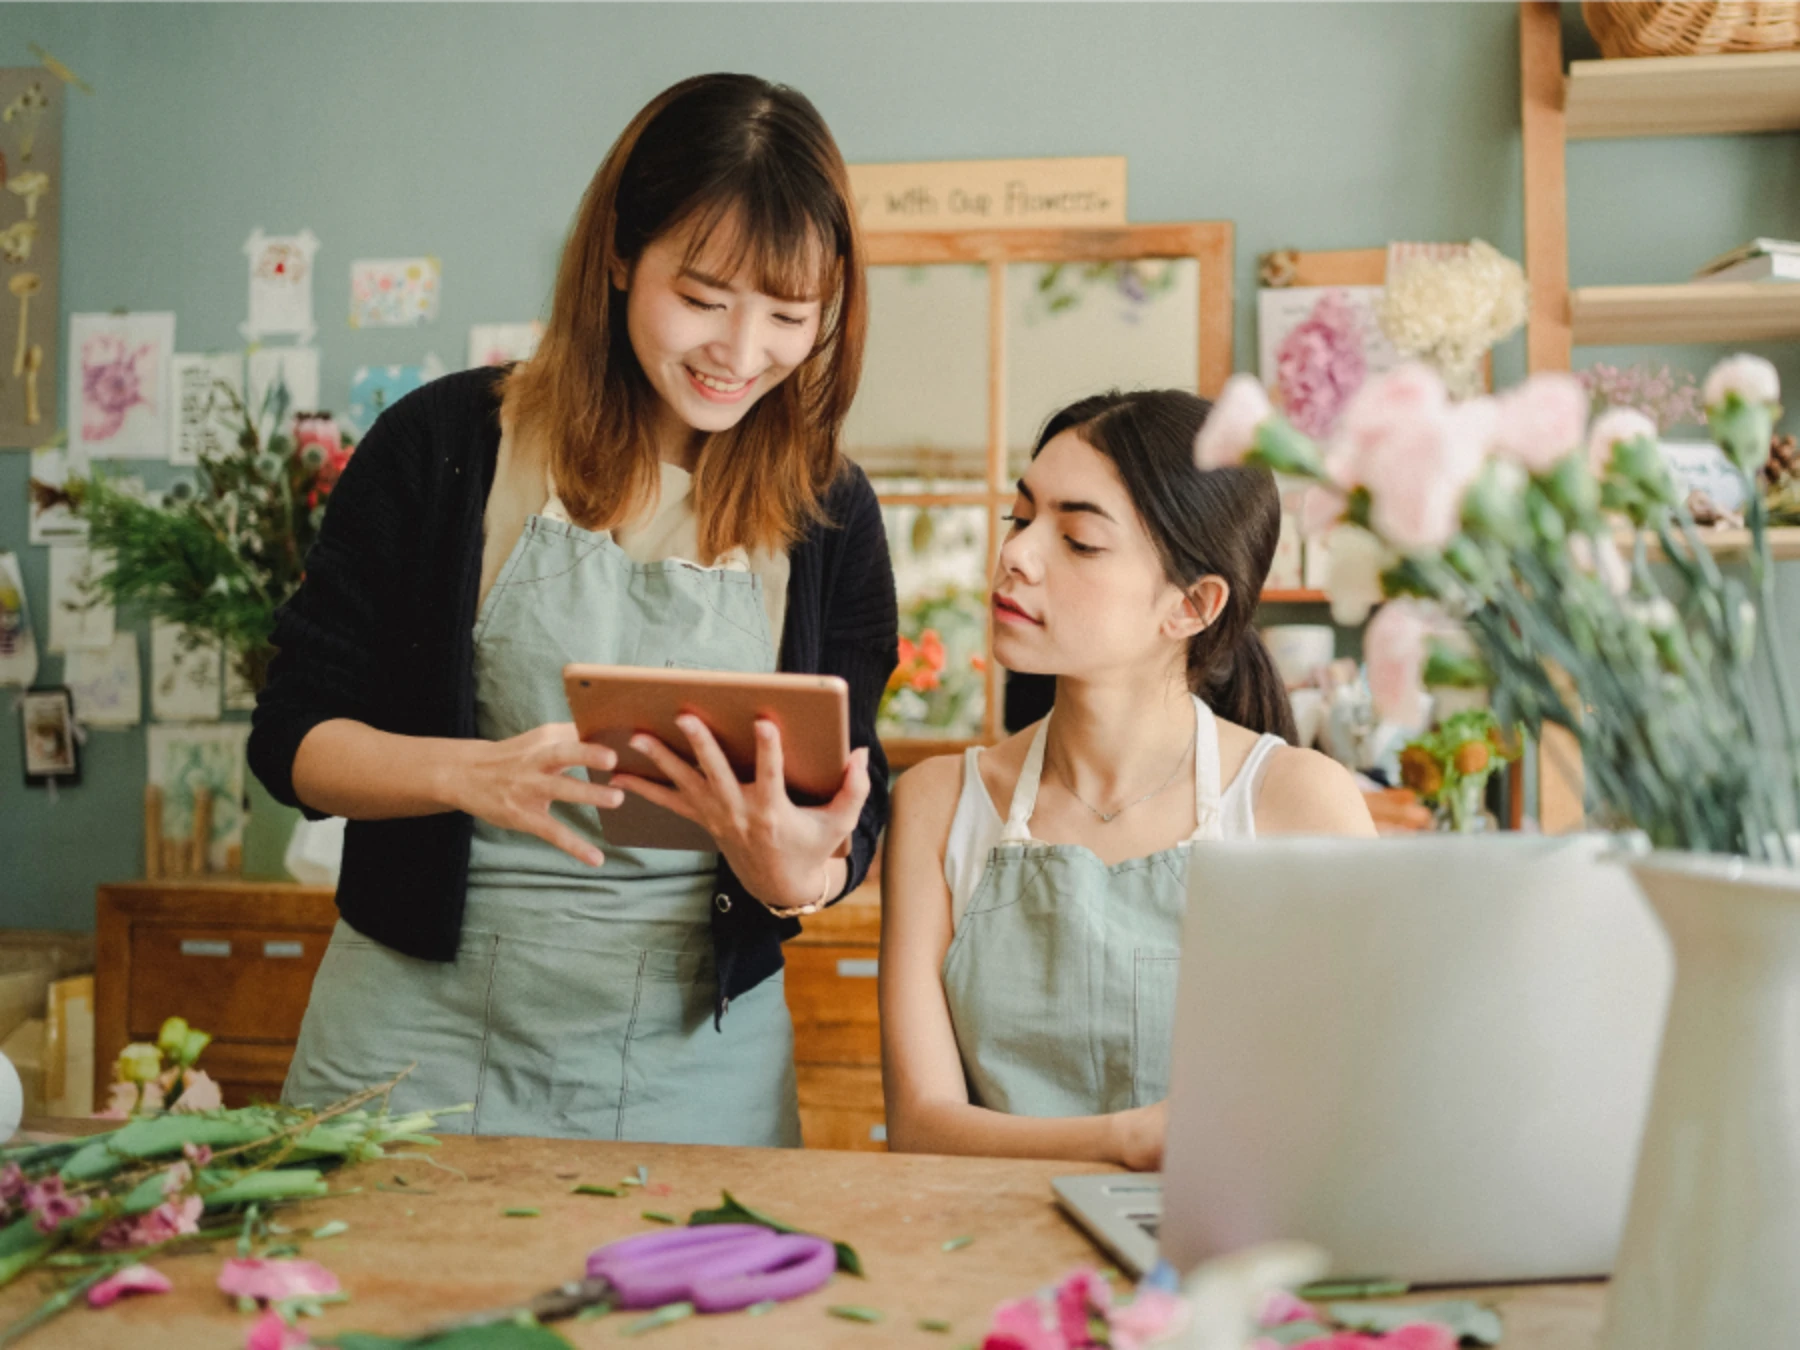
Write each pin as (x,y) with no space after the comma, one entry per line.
(1760,267)
(1756,248)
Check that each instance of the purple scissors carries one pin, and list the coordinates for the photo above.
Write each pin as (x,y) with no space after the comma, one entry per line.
(717,1267)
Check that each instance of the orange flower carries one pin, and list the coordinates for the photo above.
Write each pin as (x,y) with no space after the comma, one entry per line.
(978,663)
(1471,757)
(931,647)
(1420,771)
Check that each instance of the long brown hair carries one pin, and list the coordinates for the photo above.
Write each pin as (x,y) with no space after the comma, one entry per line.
(716,150)
(1224,523)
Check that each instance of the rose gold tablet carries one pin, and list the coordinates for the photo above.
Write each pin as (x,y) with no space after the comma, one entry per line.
(613,703)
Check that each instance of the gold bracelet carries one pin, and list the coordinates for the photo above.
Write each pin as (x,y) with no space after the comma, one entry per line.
(797,911)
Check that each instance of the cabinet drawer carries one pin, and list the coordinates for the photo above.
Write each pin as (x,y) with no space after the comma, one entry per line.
(241,984)
(247,1073)
(831,996)
(841,1107)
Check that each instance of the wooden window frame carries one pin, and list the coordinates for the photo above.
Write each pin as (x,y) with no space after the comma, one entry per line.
(1208,243)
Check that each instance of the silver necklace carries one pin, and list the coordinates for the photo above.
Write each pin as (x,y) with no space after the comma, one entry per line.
(1107,817)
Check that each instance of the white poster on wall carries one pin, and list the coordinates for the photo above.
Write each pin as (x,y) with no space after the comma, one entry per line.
(297,367)
(18,646)
(106,683)
(119,385)
(202,422)
(281,285)
(184,675)
(77,619)
(53,524)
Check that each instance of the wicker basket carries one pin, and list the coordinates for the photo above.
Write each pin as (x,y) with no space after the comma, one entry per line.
(1692,27)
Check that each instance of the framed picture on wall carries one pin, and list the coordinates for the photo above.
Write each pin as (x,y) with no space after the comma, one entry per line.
(51,751)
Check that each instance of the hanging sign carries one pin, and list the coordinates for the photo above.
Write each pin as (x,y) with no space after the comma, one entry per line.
(991,194)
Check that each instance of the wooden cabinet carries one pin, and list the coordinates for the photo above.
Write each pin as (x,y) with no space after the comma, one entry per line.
(235,958)
(831,969)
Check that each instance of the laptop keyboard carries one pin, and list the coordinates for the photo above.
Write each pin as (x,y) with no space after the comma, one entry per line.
(1150,1223)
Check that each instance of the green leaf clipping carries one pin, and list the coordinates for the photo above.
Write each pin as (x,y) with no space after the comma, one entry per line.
(956,1244)
(589,1188)
(851,1313)
(497,1336)
(732,1210)
(1472,1323)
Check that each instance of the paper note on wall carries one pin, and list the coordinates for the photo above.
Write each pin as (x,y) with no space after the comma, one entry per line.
(374,389)
(119,386)
(106,683)
(77,617)
(54,524)
(205,423)
(18,646)
(297,368)
(394,292)
(281,285)
(184,675)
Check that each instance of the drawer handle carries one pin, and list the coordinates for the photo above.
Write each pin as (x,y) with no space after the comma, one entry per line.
(858,968)
(281,949)
(203,947)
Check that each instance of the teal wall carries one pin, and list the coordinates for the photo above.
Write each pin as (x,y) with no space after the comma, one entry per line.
(469,131)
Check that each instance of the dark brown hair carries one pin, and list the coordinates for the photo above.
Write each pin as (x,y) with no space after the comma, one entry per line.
(715,151)
(1224,523)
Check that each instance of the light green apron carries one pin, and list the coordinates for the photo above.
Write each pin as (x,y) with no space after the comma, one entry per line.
(580,1002)
(1061,975)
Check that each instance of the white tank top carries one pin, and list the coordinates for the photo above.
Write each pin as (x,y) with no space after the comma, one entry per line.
(978,824)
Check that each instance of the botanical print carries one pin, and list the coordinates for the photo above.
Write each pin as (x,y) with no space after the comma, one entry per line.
(185,678)
(119,396)
(106,683)
(77,617)
(394,292)
(31,103)
(1318,346)
(52,520)
(182,758)
(281,276)
(296,369)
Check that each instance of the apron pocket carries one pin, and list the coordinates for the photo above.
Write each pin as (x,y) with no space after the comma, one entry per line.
(1153,983)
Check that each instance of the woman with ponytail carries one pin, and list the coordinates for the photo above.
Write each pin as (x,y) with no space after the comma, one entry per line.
(1030,889)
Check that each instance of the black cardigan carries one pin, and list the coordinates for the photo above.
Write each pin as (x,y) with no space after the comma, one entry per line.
(381,632)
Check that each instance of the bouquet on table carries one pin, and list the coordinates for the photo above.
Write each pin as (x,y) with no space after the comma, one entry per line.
(1512,518)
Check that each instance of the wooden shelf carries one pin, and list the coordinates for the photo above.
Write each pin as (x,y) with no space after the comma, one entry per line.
(1683,95)
(1605,316)
(1784,543)
(1279,596)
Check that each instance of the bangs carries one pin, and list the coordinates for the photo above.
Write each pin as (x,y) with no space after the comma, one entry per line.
(766,237)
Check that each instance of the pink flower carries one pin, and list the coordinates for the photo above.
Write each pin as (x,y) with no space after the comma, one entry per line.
(51,1205)
(111,383)
(272,1281)
(1320,509)
(12,1187)
(1282,1307)
(1413,1336)
(120,1100)
(1751,378)
(1541,420)
(198,1155)
(198,1093)
(1416,453)
(1319,365)
(1024,1324)
(1080,1295)
(169,1220)
(1394,650)
(271,1332)
(1230,428)
(1610,428)
(1151,1316)
(139,1279)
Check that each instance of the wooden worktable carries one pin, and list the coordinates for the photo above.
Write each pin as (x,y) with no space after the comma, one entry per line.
(439,1245)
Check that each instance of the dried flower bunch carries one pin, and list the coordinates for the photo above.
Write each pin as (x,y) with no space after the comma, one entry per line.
(1449,311)
(1505,517)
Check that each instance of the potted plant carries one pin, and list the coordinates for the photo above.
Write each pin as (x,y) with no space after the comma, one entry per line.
(219,555)
(1513,519)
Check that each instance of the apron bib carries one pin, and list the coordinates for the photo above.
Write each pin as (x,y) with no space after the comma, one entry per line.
(580,1002)
(1061,975)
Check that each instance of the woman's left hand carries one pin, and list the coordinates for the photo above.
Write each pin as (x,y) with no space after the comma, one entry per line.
(778,850)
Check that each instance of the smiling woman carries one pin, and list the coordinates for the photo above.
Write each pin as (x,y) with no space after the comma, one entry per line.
(661,485)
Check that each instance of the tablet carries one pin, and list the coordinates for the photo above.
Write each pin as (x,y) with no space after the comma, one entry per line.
(611,704)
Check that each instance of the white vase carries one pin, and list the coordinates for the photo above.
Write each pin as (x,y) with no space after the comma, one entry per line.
(12,1099)
(1711,1255)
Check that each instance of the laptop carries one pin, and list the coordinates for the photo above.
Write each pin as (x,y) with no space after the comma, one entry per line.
(1431,1057)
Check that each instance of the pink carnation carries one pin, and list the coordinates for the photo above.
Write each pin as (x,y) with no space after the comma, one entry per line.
(1541,421)
(273,1281)
(1612,427)
(198,1093)
(172,1219)
(1394,650)
(1023,1324)
(1230,428)
(271,1332)
(1151,1317)
(1320,364)
(1077,1298)
(139,1279)
(50,1205)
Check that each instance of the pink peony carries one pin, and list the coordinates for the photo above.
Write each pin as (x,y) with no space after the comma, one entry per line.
(1319,365)
(139,1279)
(271,1332)
(1541,421)
(1612,427)
(1320,509)
(198,1093)
(1230,428)
(1151,1317)
(1394,650)
(272,1281)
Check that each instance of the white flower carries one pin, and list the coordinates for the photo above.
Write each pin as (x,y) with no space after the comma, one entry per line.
(1601,557)
(1357,560)
(1230,428)
(1751,378)
(1610,428)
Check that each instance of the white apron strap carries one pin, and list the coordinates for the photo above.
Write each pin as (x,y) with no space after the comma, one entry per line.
(1208,814)
(1025,792)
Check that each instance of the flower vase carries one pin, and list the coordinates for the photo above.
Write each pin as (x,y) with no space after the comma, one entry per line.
(1711,1252)
(1462,809)
(268,827)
